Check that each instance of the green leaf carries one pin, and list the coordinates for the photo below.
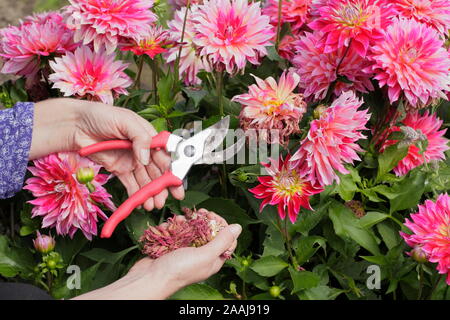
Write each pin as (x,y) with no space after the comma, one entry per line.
(137,222)
(389,233)
(372,218)
(102,255)
(303,279)
(307,219)
(320,293)
(167,90)
(14,260)
(389,159)
(197,291)
(193,198)
(347,225)
(273,55)
(69,248)
(228,209)
(409,192)
(159,124)
(26,230)
(346,188)
(306,247)
(273,242)
(269,266)
(195,95)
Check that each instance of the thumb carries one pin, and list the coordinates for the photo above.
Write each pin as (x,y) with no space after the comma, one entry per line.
(223,241)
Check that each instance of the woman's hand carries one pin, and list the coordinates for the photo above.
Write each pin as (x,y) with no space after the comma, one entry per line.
(158,279)
(70,124)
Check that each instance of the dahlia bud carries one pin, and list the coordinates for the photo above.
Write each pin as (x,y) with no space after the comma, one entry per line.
(419,255)
(275,291)
(85,175)
(44,243)
(319,110)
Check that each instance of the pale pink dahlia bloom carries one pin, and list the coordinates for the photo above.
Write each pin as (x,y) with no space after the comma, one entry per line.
(85,73)
(156,42)
(435,13)
(271,105)
(318,70)
(411,60)
(352,22)
(62,201)
(191,63)
(294,12)
(107,22)
(22,48)
(332,141)
(231,32)
(431,232)
(426,125)
(288,189)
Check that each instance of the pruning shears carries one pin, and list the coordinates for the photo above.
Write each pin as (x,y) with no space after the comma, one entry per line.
(186,153)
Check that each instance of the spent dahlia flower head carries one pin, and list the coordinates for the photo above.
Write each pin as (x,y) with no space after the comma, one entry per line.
(318,70)
(411,61)
(191,63)
(94,75)
(64,203)
(156,42)
(271,105)
(332,141)
(288,189)
(435,13)
(231,32)
(23,47)
(286,48)
(106,22)
(195,229)
(354,23)
(430,228)
(426,125)
(294,12)
(44,243)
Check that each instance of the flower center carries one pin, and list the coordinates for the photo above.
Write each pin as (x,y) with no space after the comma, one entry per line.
(288,183)
(410,55)
(351,15)
(230,30)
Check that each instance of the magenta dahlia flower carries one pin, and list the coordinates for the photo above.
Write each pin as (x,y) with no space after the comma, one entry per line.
(411,60)
(318,70)
(85,73)
(431,232)
(156,42)
(273,106)
(22,48)
(286,188)
(352,23)
(107,22)
(191,63)
(426,125)
(332,141)
(61,200)
(294,12)
(435,13)
(231,32)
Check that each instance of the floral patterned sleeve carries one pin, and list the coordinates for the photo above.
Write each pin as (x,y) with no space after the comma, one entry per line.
(16,127)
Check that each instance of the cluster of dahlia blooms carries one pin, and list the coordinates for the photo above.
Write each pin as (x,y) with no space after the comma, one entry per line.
(431,232)
(63,202)
(195,229)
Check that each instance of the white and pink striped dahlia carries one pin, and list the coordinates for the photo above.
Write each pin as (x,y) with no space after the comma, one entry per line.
(106,22)
(332,141)
(412,62)
(85,73)
(23,47)
(231,32)
(318,69)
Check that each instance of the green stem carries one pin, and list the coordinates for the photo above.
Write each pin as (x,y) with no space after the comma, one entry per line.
(177,61)
(420,282)
(287,240)
(137,80)
(333,84)
(435,285)
(154,66)
(277,40)
(219,85)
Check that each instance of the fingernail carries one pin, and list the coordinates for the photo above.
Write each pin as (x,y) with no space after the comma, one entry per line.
(145,157)
(236,229)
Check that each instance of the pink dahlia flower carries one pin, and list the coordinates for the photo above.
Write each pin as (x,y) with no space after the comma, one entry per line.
(332,141)
(62,201)
(426,125)
(154,43)
(273,106)
(190,60)
(411,60)
(294,12)
(88,74)
(286,48)
(231,32)
(107,22)
(352,23)
(22,48)
(431,232)
(43,243)
(435,13)
(318,70)
(286,188)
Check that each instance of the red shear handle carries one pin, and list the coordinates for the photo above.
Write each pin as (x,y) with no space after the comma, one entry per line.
(158,142)
(149,190)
